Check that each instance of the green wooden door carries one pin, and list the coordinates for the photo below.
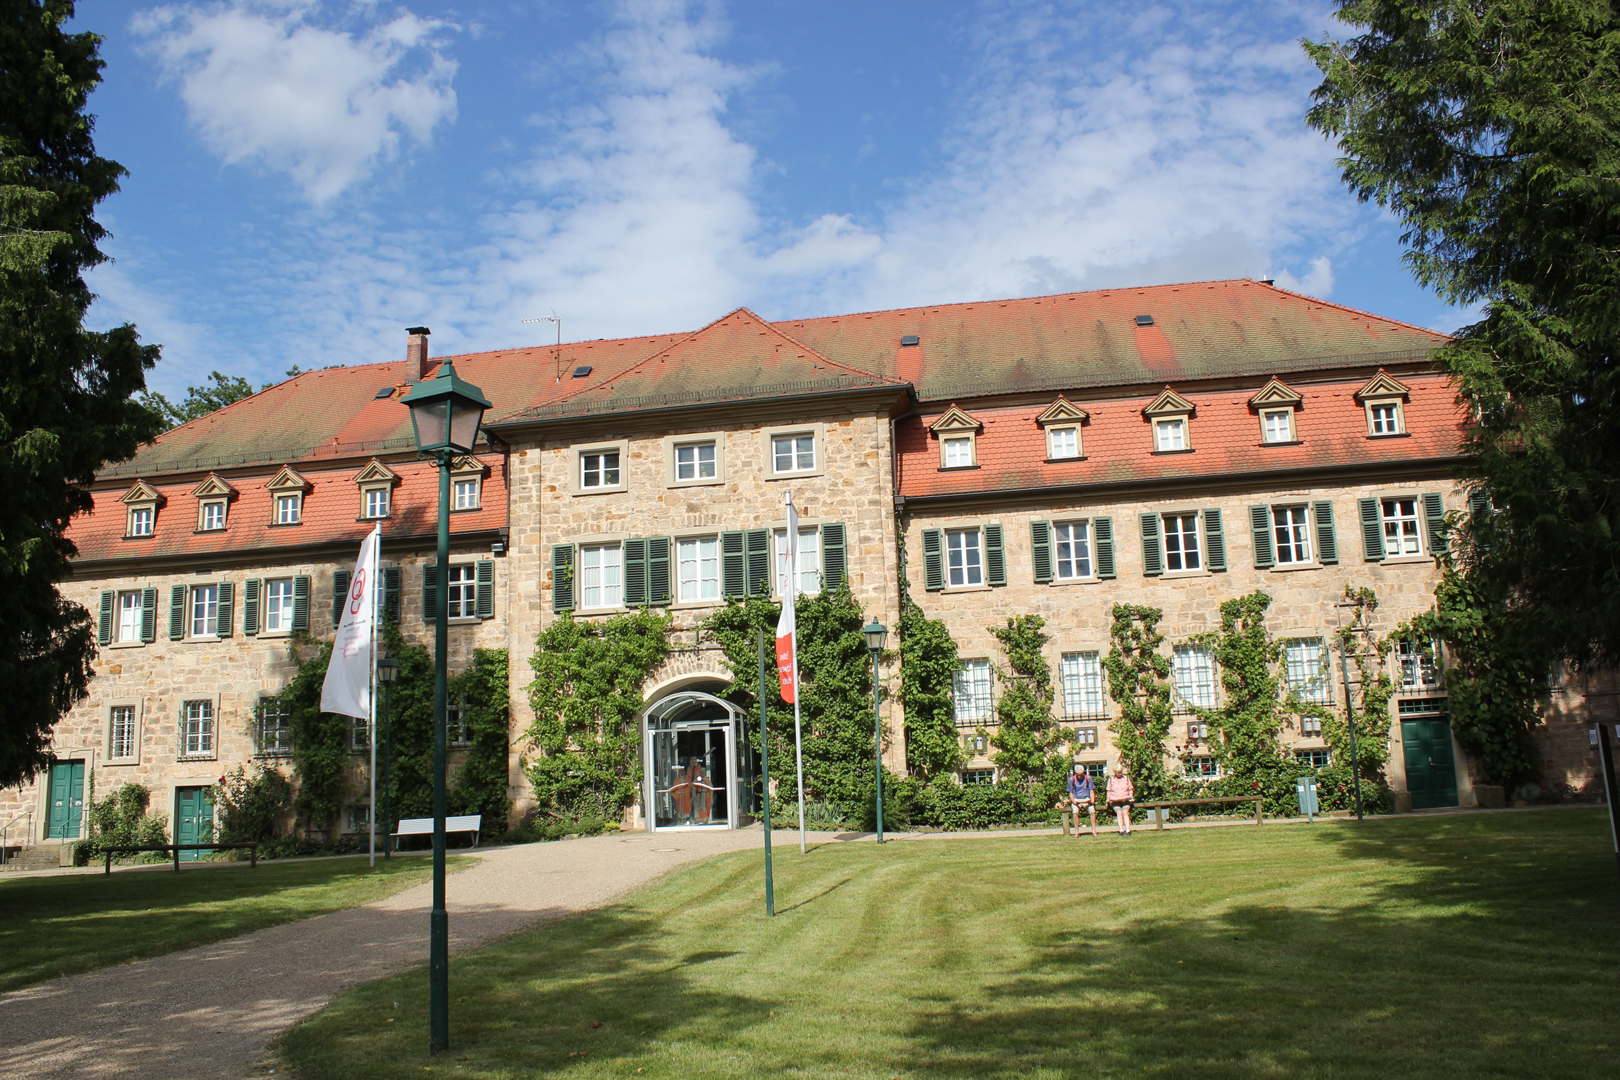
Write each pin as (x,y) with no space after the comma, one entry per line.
(64,811)
(193,819)
(1431,770)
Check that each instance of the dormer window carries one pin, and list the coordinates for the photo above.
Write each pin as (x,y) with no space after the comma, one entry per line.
(958,434)
(140,520)
(1277,425)
(289,509)
(376,483)
(1276,403)
(1170,414)
(213,515)
(467,483)
(1062,420)
(287,491)
(1384,398)
(143,501)
(213,494)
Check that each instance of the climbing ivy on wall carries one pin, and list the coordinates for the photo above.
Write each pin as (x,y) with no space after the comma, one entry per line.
(1371,691)
(1027,740)
(929,663)
(1138,677)
(587,700)
(1244,732)
(320,753)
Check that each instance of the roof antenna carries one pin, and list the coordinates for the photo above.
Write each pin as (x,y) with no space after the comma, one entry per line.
(552,319)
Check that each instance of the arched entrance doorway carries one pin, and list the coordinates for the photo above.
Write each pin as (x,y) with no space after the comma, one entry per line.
(694,778)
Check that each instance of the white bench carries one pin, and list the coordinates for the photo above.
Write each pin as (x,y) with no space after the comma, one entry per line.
(423,826)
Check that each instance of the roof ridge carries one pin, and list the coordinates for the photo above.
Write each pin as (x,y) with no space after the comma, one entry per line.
(1357,311)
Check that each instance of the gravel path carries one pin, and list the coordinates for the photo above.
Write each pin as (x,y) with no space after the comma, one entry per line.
(210,1012)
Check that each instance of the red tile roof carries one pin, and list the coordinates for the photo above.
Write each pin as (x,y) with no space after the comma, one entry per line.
(1224,434)
(331,507)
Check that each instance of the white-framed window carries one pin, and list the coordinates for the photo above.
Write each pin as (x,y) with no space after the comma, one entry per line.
(1419,671)
(375,502)
(1203,768)
(1292,530)
(1305,666)
(129,616)
(213,516)
(598,469)
(1192,676)
(140,520)
(965,557)
(1198,731)
(278,605)
(976,742)
(359,733)
(793,453)
(197,728)
(972,777)
(1085,738)
(601,576)
(1072,548)
(1316,759)
(466,494)
(359,818)
(971,691)
(463,591)
(696,461)
(1098,771)
(1170,433)
(1402,534)
(697,568)
(1063,442)
(956,451)
(1311,726)
(1081,674)
(121,732)
(274,728)
(205,611)
(1277,425)
(289,509)
(809,560)
(1181,542)
(1384,417)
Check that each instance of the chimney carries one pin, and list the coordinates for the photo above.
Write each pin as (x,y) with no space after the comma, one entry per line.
(416,353)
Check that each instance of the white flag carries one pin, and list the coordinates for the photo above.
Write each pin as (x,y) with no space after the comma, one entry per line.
(787,645)
(347,690)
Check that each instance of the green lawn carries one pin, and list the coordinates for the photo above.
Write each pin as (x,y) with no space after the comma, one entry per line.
(52,926)
(1468,946)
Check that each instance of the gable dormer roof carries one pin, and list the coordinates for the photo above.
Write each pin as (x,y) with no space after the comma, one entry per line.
(954,419)
(142,492)
(1383,385)
(288,480)
(376,472)
(467,464)
(215,487)
(1275,392)
(1169,403)
(1063,411)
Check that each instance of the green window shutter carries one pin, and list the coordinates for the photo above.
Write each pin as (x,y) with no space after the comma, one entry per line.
(340,594)
(1479,511)
(1372,531)
(733,565)
(758,545)
(486,588)
(635,573)
(104,630)
(1265,554)
(562,577)
(1152,556)
(1214,540)
(995,557)
(177,613)
(250,606)
(430,591)
(1327,544)
(227,605)
(392,579)
(933,544)
(301,593)
(834,557)
(149,615)
(1102,540)
(1040,547)
(1434,510)
(658,579)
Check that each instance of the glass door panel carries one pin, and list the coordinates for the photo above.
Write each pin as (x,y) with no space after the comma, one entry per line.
(691,777)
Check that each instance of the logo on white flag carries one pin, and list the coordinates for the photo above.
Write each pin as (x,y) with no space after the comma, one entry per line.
(347,689)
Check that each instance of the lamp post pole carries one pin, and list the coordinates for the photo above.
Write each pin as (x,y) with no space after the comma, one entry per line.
(876,634)
(439,920)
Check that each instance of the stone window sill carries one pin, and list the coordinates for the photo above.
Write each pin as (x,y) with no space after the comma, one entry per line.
(1289,568)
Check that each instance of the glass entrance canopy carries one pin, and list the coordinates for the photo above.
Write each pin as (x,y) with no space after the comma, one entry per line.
(691,762)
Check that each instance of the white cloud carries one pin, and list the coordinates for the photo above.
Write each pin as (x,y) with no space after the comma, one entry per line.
(263,81)
(1318,280)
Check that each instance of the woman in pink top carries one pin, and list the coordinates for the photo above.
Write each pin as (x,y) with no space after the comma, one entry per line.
(1121,794)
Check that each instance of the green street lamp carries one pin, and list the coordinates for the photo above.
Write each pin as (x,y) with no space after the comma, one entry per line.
(445,413)
(387,672)
(876,634)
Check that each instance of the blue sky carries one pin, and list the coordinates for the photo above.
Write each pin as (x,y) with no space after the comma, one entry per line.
(308,178)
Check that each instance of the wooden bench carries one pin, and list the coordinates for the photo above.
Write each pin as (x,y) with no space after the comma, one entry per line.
(423,826)
(1158,819)
(252,846)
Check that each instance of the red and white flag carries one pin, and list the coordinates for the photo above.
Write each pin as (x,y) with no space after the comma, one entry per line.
(787,657)
(347,689)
